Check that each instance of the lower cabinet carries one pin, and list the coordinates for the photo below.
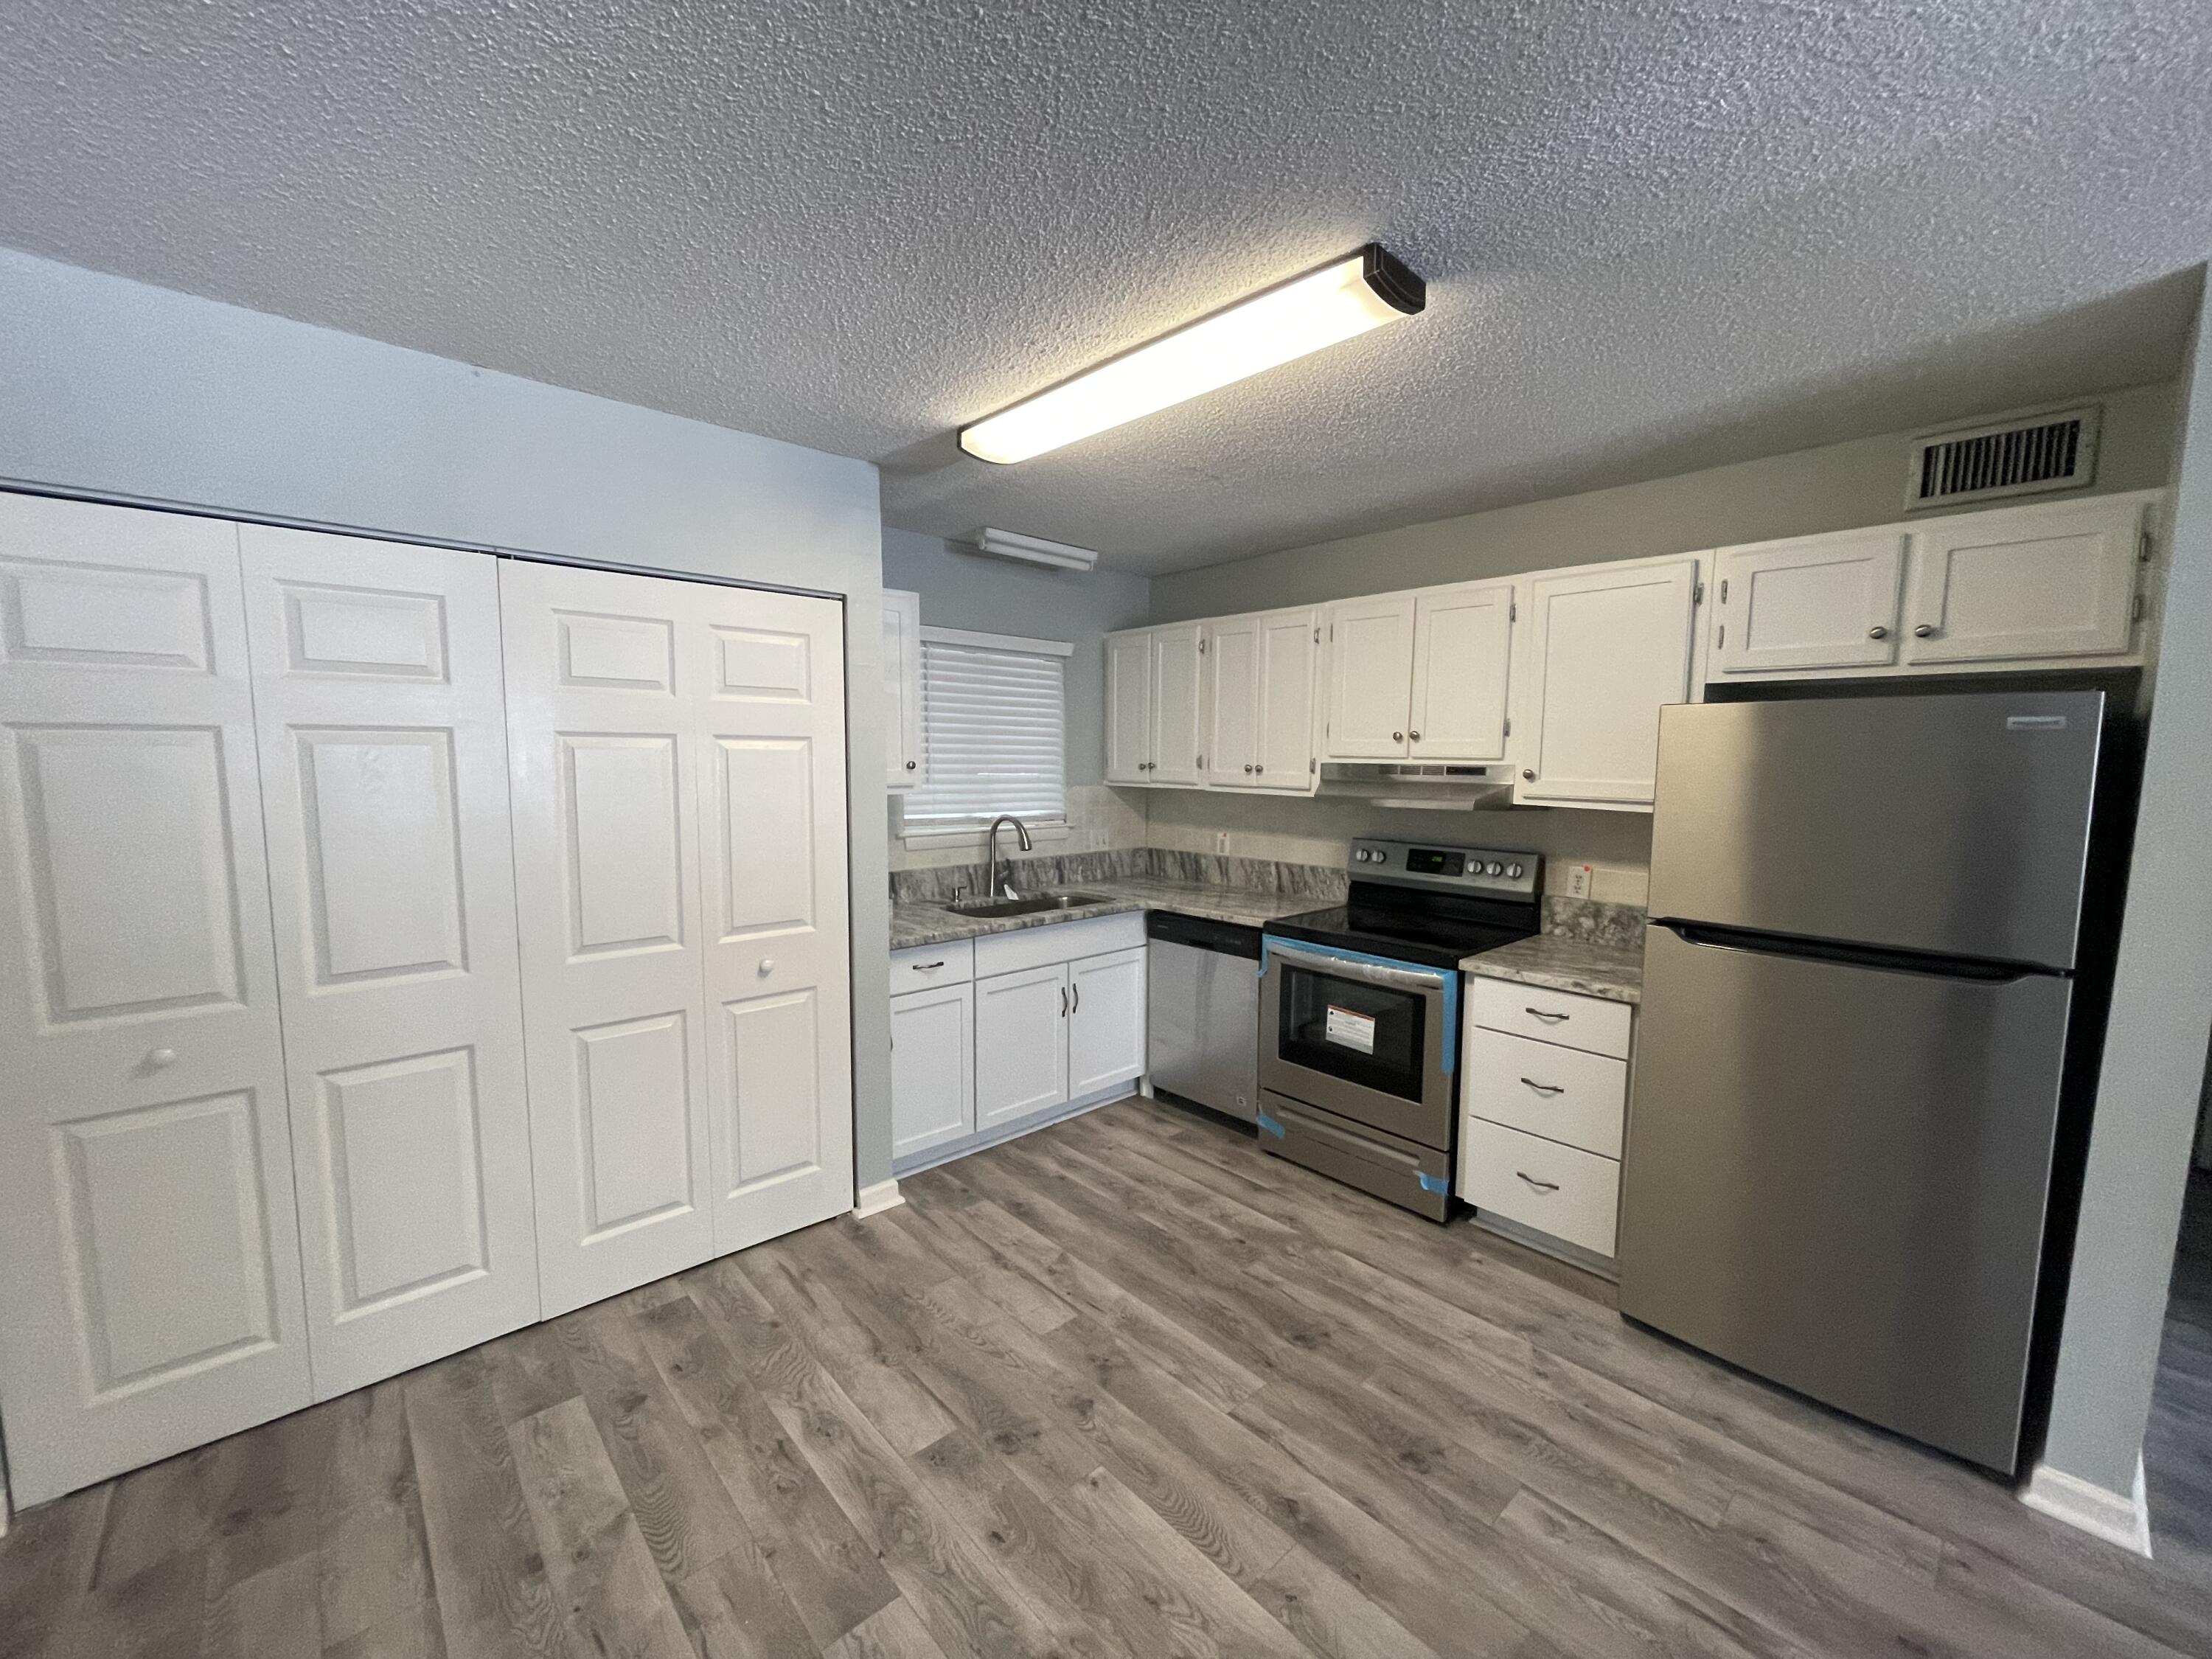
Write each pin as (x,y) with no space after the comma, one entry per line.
(970,1061)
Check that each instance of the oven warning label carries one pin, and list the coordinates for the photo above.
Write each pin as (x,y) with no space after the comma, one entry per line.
(1351,1030)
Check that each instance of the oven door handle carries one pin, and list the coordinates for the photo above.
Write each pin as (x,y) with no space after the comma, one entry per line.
(1403,979)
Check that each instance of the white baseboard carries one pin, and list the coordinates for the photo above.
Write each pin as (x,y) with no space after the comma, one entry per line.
(2115,1517)
(874,1200)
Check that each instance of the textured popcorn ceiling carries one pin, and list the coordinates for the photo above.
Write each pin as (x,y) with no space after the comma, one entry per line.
(1657,237)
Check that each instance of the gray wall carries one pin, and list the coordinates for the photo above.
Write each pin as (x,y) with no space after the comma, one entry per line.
(995,596)
(1836,487)
(2153,1065)
(115,389)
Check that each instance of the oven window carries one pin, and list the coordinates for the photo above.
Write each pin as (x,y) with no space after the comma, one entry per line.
(1365,1034)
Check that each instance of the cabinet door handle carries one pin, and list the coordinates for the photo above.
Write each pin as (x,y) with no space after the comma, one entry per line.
(1415,736)
(1528,774)
(1258,768)
(1063,1002)
(909,766)
(1545,1088)
(1077,991)
(1547,1016)
(1924,631)
(1397,737)
(1540,1186)
(1248,766)
(1877,632)
(926,967)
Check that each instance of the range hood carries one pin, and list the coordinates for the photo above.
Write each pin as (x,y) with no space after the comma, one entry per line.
(1444,787)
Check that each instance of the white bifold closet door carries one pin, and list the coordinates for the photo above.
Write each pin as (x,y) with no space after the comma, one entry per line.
(149,1279)
(678,757)
(380,714)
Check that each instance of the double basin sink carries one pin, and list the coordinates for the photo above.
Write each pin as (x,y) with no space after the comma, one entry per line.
(1024,907)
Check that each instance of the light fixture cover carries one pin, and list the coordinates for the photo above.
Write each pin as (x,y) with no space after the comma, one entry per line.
(1348,296)
(1034,550)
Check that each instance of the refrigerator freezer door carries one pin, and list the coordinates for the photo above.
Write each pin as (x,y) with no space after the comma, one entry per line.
(1953,825)
(1835,1177)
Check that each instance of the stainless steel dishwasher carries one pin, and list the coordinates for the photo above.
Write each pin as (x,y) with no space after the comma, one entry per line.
(1204,1013)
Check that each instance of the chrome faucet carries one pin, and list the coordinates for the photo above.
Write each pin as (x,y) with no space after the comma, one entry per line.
(1007,890)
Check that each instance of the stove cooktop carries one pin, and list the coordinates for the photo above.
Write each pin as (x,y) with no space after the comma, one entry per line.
(1436,934)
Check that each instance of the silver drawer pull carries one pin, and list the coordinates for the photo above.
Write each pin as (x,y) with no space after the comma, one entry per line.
(1544,1014)
(1545,1088)
(1540,1186)
(924,967)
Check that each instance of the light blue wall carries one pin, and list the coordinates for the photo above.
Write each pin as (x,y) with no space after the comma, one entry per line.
(115,389)
(965,590)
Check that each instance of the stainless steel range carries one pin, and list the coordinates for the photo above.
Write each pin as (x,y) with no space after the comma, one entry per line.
(1359,1013)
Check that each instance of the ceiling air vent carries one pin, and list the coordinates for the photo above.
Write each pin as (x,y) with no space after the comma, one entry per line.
(2015,458)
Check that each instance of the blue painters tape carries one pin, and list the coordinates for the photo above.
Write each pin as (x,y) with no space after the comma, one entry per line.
(1431,1183)
(1270,1127)
(1450,979)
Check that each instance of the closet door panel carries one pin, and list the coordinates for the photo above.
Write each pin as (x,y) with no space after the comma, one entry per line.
(602,725)
(379,710)
(149,1271)
(774,889)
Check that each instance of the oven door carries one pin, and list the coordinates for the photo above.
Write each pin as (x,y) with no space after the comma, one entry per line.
(1367,1039)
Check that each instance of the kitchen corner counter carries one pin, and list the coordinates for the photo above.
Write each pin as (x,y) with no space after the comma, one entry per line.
(922,923)
(1560,963)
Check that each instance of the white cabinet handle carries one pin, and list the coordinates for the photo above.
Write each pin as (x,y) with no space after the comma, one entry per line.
(1544,1014)
(1540,1186)
(767,965)
(1545,1088)
(926,967)
(160,1058)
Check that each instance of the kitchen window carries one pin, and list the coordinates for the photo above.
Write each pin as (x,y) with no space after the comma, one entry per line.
(994,727)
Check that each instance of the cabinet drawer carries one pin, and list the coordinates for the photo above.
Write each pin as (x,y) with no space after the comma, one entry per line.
(1578,1022)
(1559,1093)
(925,965)
(1560,1190)
(1057,941)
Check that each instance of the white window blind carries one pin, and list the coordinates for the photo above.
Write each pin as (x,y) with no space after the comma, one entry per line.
(994,724)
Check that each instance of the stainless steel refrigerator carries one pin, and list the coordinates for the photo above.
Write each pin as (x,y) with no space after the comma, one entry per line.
(1859,980)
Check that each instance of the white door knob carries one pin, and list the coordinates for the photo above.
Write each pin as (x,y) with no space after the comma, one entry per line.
(160,1058)
(767,965)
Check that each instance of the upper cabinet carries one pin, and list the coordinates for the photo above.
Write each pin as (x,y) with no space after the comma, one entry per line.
(1154,679)
(2052,584)
(1820,601)
(1258,722)
(1604,648)
(1420,676)
(903,752)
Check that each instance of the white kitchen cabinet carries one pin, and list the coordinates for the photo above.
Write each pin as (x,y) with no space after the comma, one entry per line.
(1558,1190)
(1129,707)
(1603,648)
(1021,1043)
(1178,667)
(932,1068)
(1462,656)
(2048,580)
(905,764)
(1815,601)
(1105,1020)
(1370,678)
(1258,731)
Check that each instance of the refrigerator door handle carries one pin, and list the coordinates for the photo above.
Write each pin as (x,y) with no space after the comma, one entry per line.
(1849,956)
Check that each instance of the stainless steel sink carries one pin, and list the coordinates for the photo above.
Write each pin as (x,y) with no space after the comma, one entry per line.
(1024,907)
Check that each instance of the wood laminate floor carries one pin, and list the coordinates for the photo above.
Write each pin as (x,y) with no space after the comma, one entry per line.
(1127,1387)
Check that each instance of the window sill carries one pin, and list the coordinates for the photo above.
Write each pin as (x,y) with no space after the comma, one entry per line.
(918,839)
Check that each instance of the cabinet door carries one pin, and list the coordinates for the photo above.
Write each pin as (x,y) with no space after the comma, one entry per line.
(2039,581)
(1822,602)
(1177,671)
(1129,707)
(381,720)
(932,1068)
(767,673)
(1021,1043)
(1370,678)
(1230,739)
(1105,1021)
(1605,649)
(1462,649)
(1290,656)
(151,1296)
(602,745)
(903,752)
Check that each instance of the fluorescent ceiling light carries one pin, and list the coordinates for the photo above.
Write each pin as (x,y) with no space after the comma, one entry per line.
(1034,550)
(1348,297)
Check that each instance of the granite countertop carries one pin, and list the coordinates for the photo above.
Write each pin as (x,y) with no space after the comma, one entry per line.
(1560,963)
(922,923)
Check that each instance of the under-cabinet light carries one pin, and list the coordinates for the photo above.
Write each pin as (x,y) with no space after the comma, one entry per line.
(1345,297)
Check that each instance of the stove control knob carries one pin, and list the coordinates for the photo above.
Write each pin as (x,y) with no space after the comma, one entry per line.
(1513,871)
(1495,868)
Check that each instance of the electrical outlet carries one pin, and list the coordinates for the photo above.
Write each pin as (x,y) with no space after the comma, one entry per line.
(1221,841)
(1580,879)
